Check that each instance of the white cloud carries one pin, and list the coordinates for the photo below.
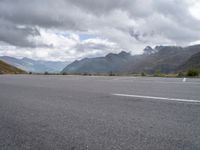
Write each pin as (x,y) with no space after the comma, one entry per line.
(63,47)
(195,9)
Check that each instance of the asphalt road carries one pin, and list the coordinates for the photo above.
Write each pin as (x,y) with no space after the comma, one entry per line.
(98,113)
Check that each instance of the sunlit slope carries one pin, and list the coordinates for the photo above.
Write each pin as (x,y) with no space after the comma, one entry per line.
(8,69)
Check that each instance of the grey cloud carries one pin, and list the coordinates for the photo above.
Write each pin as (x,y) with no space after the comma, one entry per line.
(31,14)
(135,34)
(90,46)
(93,45)
(169,19)
(17,36)
(46,13)
(136,8)
(177,10)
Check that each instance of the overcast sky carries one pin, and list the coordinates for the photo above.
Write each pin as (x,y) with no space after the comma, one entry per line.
(72,29)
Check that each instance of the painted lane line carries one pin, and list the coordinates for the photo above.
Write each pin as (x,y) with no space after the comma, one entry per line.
(159,98)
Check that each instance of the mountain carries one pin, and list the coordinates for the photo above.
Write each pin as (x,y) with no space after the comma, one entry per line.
(107,64)
(38,66)
(166,59)
(192,63)
(148,50)
(8,69)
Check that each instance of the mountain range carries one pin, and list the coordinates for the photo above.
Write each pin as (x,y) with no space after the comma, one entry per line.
(165,59)
(38,66)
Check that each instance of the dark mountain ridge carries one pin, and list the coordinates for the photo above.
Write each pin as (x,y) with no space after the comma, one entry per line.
(110,62)
(165,59)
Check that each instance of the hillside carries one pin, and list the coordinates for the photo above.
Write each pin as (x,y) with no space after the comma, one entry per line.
(192,63)
(8,69)
(166,59)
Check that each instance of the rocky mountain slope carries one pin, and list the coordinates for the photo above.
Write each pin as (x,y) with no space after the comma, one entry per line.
(192,63)
(165,59)
(109,63)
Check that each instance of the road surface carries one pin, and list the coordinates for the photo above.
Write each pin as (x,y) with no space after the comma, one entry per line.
(98,113)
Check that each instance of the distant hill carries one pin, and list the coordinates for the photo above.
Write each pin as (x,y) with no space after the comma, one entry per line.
(8,69)
(165,59)
(38,66)
(192,63)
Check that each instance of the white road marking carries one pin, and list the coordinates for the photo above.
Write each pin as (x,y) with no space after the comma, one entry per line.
(197,82)
(159,98)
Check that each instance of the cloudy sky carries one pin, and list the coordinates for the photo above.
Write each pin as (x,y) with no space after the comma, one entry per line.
(72,29)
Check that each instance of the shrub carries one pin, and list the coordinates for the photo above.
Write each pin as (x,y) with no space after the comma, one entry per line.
(193,73)
(181,74)
(85,73)
(111,74)
(143,74)
(46,73)
(64,73)
(157,73)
